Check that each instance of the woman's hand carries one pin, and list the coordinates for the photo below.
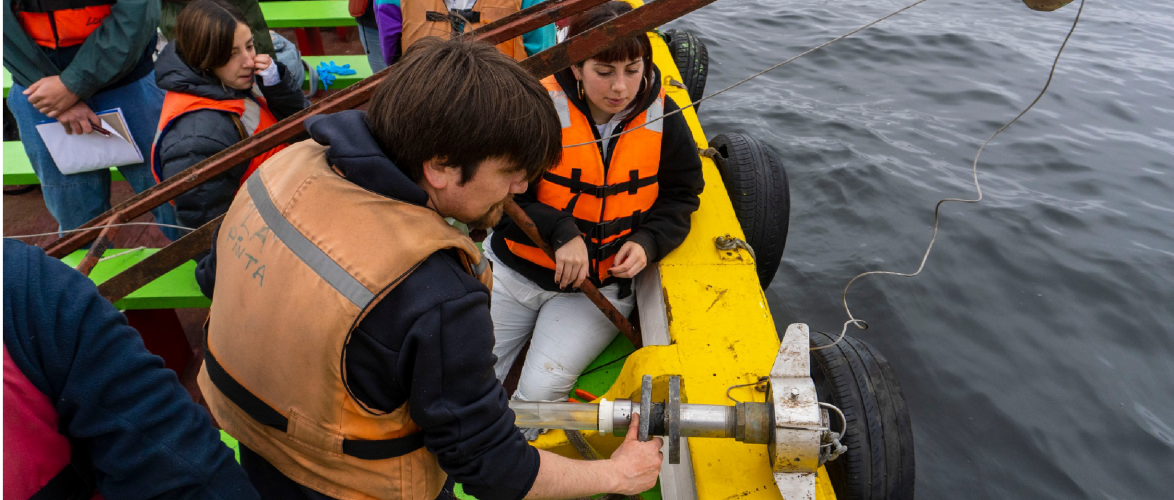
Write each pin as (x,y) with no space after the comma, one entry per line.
(261,62)
(79,119)
(50,96)
(629,261)
(570,263)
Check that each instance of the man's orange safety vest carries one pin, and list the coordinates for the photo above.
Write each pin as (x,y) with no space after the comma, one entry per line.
(606,200)
(61,23)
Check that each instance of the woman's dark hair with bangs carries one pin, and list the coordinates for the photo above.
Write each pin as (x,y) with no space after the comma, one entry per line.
(204,32)
(634,47)
(463,102)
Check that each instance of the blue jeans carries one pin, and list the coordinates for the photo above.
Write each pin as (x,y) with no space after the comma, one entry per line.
(77,198)
(370,39)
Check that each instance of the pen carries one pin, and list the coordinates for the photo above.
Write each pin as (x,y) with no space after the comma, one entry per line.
(101,130)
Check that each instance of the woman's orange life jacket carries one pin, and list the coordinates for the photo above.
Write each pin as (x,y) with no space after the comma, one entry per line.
(606,200)
(252,113)
(61,23)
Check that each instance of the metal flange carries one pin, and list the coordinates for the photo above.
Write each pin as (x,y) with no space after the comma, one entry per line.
(645,407)
(673,419)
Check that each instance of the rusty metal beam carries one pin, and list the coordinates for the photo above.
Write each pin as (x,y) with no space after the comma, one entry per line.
(602,37)
(160,263)
(588,288)
(541,65)
(349,98)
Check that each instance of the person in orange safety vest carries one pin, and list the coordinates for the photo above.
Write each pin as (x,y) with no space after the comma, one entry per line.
(611,207)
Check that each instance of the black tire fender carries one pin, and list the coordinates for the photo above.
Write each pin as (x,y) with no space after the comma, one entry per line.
(756,183)
(692,59)
(879,462)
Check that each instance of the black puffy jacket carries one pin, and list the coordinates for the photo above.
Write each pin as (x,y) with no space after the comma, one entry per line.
(195,136)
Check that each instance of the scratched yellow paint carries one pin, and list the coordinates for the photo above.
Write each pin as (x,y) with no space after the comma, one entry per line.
(722,333)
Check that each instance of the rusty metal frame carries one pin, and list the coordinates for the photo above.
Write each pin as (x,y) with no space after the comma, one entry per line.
(576,49)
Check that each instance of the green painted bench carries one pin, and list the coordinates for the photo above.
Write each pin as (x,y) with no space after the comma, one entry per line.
(307,14)
(358,63)
(175,290)
(18,170)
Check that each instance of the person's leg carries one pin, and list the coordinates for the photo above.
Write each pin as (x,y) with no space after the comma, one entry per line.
(569,334)
(370,39)
(514,309)
(71,199)
(142,103)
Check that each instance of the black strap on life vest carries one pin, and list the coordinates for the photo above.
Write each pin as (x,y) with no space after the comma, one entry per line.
(376,449)
(55,5)
(577,186)
(73,482)
(455,17)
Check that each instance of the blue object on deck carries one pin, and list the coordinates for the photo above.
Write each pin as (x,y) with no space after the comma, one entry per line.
(329,71)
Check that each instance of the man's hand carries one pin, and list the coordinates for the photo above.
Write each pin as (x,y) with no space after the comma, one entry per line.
(630,260)
(50,96)
(79,119)
(570,263)
(636,464)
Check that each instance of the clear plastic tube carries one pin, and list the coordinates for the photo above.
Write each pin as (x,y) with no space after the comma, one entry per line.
(537,415)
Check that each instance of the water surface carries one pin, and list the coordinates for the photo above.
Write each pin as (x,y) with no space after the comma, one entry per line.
(1035,350)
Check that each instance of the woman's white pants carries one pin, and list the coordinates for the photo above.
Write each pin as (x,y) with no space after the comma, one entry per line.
(566,332)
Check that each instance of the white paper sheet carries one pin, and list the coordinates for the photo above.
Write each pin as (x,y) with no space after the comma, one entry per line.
(76,153)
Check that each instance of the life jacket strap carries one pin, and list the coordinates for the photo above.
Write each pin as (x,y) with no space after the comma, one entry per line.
(55,5)
(260,411)
(577,186)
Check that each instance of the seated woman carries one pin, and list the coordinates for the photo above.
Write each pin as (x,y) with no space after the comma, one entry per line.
(219,91)
(609,209)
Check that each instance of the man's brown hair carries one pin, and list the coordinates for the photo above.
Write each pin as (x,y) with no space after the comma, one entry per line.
(463,102)
(204,32)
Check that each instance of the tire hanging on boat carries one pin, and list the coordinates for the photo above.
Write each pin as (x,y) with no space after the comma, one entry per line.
(756,183)
(879,462)
(692,59)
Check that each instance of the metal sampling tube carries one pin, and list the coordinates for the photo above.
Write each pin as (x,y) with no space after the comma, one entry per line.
(697,420)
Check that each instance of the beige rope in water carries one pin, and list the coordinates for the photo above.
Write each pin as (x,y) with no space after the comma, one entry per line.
(756,75)
(937,208)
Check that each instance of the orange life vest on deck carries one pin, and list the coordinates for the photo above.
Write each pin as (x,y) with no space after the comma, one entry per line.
(424,18)
(61,23)
(606,200)
(252,115)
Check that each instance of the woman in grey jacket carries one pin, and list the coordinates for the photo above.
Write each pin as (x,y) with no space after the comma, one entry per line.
(219,91)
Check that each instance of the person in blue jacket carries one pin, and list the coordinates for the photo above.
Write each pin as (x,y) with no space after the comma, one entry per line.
(87,408)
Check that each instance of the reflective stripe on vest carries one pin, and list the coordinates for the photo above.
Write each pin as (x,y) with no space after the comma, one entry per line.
(607,201)
(425,18)
(253,114)
(295,271)
(61,23)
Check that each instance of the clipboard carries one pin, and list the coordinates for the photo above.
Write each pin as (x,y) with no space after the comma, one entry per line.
(76,153)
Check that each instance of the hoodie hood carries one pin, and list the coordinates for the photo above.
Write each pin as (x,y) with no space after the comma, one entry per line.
(173,74)
(354,152)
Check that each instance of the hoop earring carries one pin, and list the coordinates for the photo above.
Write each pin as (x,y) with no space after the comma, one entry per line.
(579,83)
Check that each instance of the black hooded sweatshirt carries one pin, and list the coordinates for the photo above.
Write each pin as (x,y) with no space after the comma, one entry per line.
(197,135)
(659,231)
(429,341)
